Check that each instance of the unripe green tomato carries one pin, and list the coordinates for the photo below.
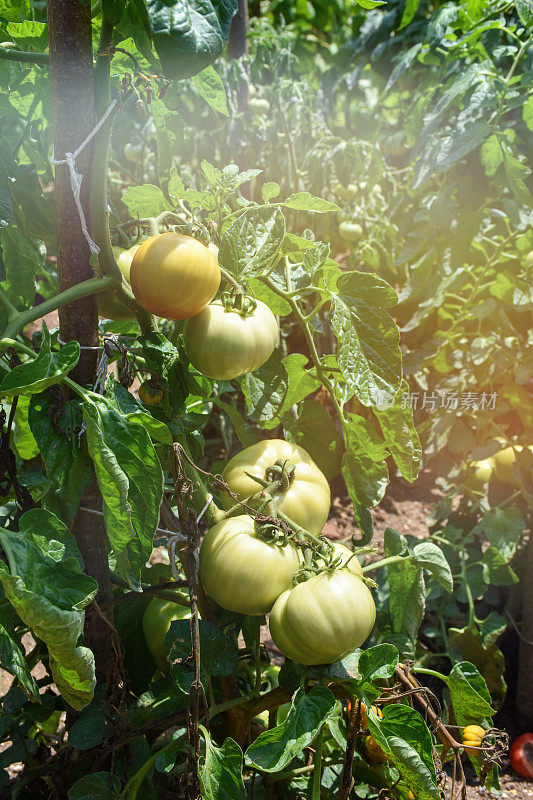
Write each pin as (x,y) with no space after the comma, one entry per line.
(258,105)
(504,461)
(529,259)
(324,618)
(109,306)
(223,343)
(149,394)
(479,474)
(156,623)
(350,231)
(133,152)
(240,571)
(346,192)
(307,499)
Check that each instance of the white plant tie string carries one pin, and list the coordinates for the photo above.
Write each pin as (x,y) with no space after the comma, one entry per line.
(76,177)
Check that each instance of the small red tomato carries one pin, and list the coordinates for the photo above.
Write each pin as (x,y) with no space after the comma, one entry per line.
(521,755)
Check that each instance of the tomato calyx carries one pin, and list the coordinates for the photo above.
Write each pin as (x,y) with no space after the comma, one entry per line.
(281,474)
(236,300)
(271,533)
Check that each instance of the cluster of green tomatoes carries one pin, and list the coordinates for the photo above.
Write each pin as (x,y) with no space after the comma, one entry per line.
(320,607)
(175,276)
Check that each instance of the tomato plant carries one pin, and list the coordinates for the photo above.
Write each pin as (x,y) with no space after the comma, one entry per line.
(309,245)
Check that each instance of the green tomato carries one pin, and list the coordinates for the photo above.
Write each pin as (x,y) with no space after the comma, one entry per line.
(241,572)
(258,105)
(108,304)
(149,394)
(134,152)
(307,499)
(156,623)
(504,461)
(529,259)
(346,192)
(350,231)
(479,474)
(323,619)
(223,343)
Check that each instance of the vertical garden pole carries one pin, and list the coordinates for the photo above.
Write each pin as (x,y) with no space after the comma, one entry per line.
(73,105)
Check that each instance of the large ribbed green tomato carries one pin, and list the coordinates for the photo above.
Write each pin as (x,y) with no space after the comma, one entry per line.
(108,305)
(174,276)
(324,618)
(224,343)
(157,619)
(307,499)
(241,572)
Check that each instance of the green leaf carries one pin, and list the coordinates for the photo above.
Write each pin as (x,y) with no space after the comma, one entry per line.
(251,244)
(407,590)
(269,190)
(411,7)
(48,589)
(492,156)
(89,728)
(12,660)
(369,341)
(403,734)
(221,770)
(274,749)
(56,426)
(134,411)
(364,468)
(478,646)
(22,256)
(401,437)
(211,87)
(131,481)
(496,570)
(45,370)
(469,694)
(503,527)
(96,786)
(189,34)
(315,430)
(15,10)
(145,201)
(304,201)
(23,438)
(265,390)
(524,10)
(369,5)
(218,652)
(431,558)
(527,112)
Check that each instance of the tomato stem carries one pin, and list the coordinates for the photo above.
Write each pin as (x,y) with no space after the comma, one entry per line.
(317,773)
